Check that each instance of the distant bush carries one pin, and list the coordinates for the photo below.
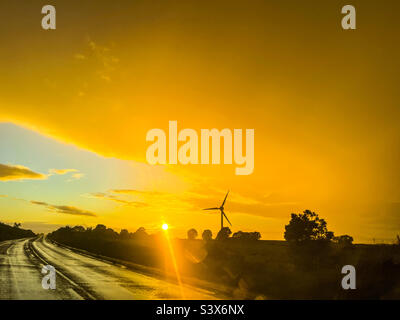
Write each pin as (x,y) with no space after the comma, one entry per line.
(240,235)
(105,241)
(100,232)
(207,235)
(344,240)
(224,233)
(192,234)
(14,232)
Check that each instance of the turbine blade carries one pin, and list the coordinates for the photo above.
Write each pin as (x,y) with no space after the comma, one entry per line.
(226,218)
(225,199)
(211,209)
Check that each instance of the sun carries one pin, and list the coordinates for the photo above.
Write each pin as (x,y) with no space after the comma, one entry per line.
(164,226)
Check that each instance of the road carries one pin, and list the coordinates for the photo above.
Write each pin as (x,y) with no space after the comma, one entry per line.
(78,276)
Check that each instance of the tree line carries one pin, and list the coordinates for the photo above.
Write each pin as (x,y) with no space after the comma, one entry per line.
(8,232)
(224,234)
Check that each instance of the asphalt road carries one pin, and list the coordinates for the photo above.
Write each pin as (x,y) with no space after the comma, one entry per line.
(78,276)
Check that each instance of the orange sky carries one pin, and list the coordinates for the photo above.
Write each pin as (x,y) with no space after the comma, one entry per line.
(323,102)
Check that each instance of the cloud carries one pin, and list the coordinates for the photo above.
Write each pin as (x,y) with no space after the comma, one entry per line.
(17,172)
(265,206)
(103,59)
(39,203)
(64,209)
(384,216)
(79,56)
(132,191)
(72,210)
(61,171)
(3,196)
(104,196)
(77,176)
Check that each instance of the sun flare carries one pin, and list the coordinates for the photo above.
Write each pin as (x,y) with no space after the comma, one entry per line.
(164,226)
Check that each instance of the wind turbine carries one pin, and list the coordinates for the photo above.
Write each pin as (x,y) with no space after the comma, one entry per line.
(221,208)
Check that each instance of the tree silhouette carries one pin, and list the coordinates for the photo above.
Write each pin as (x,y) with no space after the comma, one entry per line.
(17,225)
(124,234)
(240,235)
(224,234)
(207,235)
(344,240)
(8,232)
(140,234)
(100,228)
(307,226)
(192,234)
(101,231)
(78,229)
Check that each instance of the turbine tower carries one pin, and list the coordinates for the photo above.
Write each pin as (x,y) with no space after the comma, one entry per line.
(221,208)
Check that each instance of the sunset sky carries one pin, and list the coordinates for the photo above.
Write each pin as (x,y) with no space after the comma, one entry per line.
(76,104)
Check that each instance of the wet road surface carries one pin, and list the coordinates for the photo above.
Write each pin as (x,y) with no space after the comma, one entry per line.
(78,276)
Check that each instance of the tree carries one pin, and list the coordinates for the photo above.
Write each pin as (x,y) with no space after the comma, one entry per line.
(307,226)
(124,234)
(140,234)
(398,240)
(240,235)
(8,232)
(78,229)
(207,235)
(100,228)
(344,240)
(224,234)
(17,225)
(110,233)
(192,234)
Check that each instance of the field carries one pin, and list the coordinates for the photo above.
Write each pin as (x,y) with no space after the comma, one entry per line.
(257,269)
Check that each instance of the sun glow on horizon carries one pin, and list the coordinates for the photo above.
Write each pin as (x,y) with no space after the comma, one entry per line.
(85,161)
